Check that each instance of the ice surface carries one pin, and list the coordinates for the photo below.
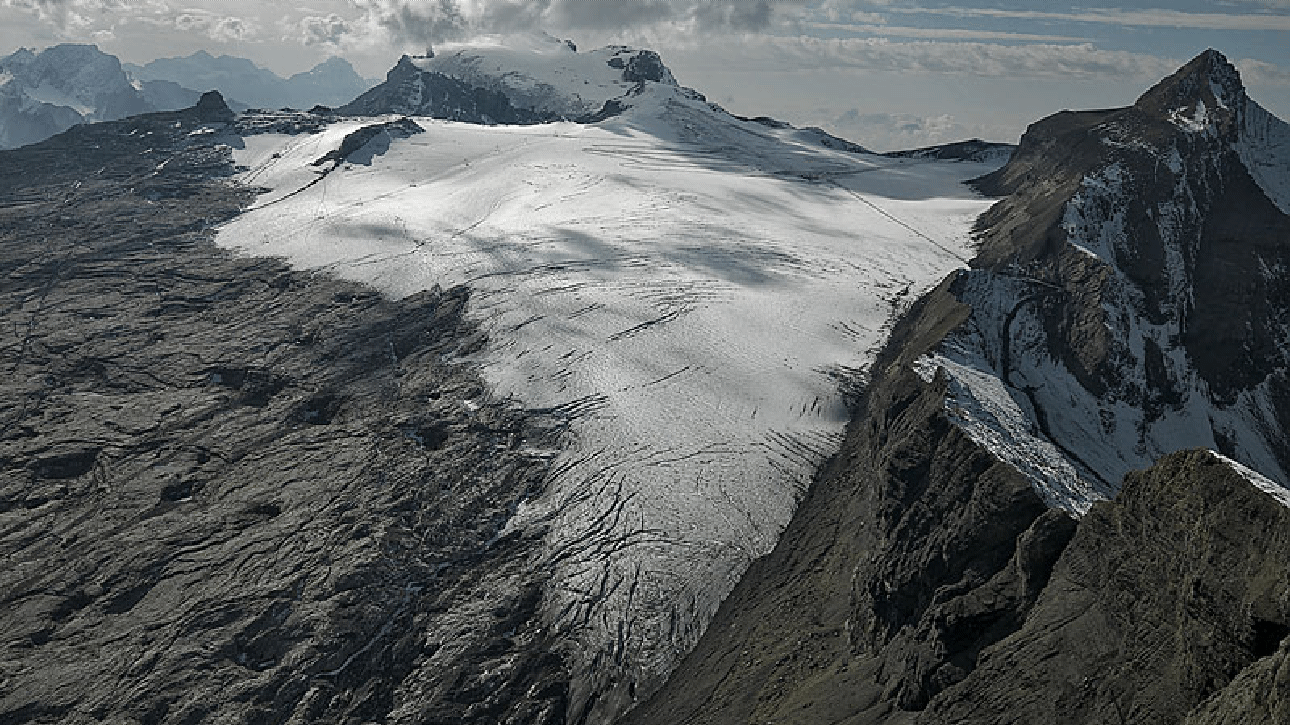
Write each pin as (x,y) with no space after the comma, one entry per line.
(686,290)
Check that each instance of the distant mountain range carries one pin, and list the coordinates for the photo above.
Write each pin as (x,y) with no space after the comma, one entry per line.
(47,92)
(330,83)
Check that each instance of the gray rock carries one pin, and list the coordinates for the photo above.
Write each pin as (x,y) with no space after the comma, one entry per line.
(230,492)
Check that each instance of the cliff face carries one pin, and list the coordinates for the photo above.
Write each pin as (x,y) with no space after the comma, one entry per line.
(1159,601)
(935,573)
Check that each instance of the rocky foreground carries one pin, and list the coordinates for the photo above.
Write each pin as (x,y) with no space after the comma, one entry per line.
(230,492)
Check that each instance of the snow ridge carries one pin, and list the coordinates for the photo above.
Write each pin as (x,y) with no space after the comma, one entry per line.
(1261,482)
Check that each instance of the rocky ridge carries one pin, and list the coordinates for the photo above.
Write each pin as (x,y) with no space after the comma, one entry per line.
(935,573)
(331,82)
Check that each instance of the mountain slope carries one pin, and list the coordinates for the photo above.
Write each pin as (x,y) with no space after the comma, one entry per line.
(926,576)
(233,492)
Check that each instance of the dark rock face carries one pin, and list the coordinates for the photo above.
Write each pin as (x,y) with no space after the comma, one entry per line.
(972,150)
(1160,600)
(412,91)
(931,577)
(642,66)
(232,492)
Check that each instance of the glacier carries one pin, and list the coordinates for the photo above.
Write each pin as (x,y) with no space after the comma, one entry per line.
(687,294)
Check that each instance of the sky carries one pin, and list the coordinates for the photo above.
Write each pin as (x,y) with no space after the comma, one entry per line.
(884,73)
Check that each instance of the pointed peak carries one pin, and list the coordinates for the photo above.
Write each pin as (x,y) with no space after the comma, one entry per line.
(1207,84)
(212,108)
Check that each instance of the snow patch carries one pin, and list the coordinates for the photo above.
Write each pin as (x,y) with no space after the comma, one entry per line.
(45,93)
(998,418)
(1094,219)
(1198,122)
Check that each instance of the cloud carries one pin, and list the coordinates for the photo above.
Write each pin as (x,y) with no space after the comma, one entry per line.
(1260,72)
(898,31)
(431,21)
(1155,17)
(220,28)
(69,16)
(1039,60)
(891,131)
(330,30)
(97,18)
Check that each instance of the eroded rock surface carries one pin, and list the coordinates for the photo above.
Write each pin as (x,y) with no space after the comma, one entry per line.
(230,492)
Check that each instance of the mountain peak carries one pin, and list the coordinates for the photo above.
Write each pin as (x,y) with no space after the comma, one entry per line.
(212,108)
(1207,84)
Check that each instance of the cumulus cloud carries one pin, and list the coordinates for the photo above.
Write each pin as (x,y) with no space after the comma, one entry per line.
(74,18)
(431,21)
(220,28)
(329,30)
(1260,72)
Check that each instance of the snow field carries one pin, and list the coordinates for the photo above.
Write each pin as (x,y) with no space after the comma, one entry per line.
(684,295)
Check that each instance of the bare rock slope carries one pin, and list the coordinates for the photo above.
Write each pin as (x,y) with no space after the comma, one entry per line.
(230,492)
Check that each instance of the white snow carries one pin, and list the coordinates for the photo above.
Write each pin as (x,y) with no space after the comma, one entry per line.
(686,289)
(1261,482)
(1198,122)
(1264,147)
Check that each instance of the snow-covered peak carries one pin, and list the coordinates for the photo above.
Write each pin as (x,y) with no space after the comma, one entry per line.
(546,75)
